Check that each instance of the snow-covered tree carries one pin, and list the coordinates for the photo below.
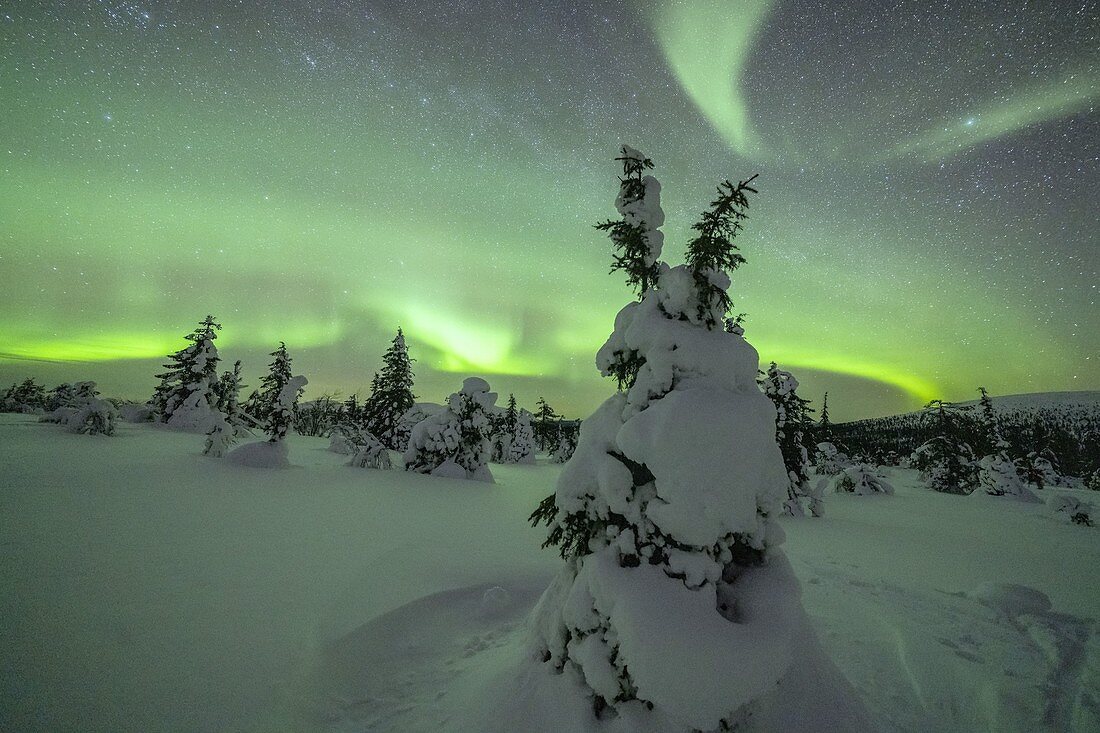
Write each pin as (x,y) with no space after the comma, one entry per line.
(409,420)
(227,392)
(566,444)
(454,442)
(221,438)
(282,412)
(665,513)
(80,409)
(27,396)
(1072,510)
(946,461)
(790,416)
(186,396)
(545,425)
(502,431)
(997,474)
(861,479)
(370,453)
(271,384)
(522,448)
(391,392)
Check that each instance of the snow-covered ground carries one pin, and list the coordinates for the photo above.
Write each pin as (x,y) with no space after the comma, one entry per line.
(146,587)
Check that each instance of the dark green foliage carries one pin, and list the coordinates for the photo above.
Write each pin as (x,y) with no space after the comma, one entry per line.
(712,250)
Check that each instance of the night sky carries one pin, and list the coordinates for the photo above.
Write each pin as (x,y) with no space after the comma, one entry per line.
(324,172)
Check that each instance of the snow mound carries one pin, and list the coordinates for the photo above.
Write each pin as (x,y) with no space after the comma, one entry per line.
(263,454)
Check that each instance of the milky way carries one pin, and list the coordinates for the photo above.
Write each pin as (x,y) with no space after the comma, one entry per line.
(324,172)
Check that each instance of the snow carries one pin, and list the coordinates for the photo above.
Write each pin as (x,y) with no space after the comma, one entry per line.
(147,587)
(260,454)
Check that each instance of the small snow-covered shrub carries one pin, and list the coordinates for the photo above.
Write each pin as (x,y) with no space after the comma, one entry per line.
(1092,483)
(1071,510)
(220,438)
(454,441)
(340,442)
(997,476)
(403,430)
(95,417)
(370,454)
(261,454)
(830,461)
(862,480)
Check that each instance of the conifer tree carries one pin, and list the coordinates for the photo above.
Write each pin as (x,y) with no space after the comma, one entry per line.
(454,442)
(946,461)
(228,394)
(790,417)
(272,384)
(186,394)
(636,238)
(391,392)
(281,418)
(825,427)
(712,255)
(545,425)
(667,508)
(636,244)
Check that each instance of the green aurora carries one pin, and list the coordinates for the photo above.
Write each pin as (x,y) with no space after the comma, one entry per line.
(322,183)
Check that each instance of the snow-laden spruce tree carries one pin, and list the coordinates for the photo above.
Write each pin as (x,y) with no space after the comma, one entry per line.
(522,448)
(186,396)
(946,461)
(502,430)
(281,418)
(997,474)
(790,417)
(227,393)
(418,412)
(391,392)
(279,373)
(675,608)
(545,423)
(454,442)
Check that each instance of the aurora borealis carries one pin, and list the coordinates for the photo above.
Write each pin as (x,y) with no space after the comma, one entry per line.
(324,172)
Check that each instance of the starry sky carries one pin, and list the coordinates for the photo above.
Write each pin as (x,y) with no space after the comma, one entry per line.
(324,172)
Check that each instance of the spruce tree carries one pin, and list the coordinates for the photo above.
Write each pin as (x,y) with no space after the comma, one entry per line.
(665,513)
(454,442)
(545,424)
(281,418)
(712,254)
(228,394)
(636,245)
(790,418)
(946,461)
(825,428)
(186,395)
(391,392)
(272,384)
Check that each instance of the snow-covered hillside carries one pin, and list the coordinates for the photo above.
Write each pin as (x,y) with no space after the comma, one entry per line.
(146,587)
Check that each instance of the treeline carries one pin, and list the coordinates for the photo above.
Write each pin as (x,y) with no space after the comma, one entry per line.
(1068,434)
